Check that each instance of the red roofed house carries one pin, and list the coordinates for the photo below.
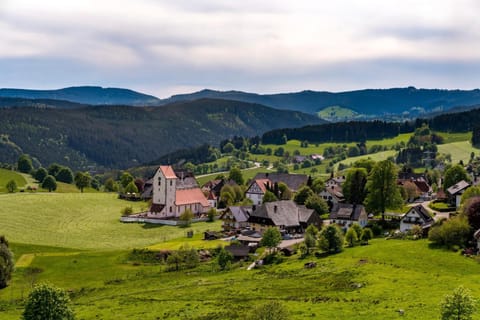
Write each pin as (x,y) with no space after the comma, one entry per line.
(172,195)
(256,190)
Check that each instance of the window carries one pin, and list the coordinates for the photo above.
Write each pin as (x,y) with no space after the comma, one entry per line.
(159,181)
(170,209)
(171,183)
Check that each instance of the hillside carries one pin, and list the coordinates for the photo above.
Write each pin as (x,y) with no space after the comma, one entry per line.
(85,95)
(121,136)
(368,101)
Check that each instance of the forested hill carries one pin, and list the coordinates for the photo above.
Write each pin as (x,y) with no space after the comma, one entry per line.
(121,136)
(357,131)
(368,101)
(86,95)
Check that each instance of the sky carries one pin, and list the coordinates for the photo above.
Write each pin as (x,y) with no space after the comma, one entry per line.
(165,47)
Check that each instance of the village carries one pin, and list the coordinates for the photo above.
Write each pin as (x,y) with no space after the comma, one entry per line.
(279,200)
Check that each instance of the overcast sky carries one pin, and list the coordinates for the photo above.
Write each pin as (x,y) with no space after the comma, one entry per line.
(174,46)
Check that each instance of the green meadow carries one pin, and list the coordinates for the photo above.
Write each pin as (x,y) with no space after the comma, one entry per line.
(8,175)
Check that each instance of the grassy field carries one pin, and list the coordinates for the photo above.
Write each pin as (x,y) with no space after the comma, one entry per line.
(81,221)
(367,282)
(7,175)
(460,150)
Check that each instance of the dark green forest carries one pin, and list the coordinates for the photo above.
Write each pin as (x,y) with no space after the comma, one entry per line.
(121,136)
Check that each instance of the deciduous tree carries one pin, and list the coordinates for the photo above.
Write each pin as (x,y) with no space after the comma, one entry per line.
(186,217)
(366,235)
(271,238)
(82,180)
(382,188)
(24,163)
(40,174)
(331,239)
(454,175)
(49,183)
(11,186)
(6,262)
(235,174)
(302,195)
(354,186)
(224,258)
(65,175)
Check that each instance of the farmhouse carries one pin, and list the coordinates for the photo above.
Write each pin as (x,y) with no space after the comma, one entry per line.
(235,217)
(173,194)
(345,214)
(417,215)
(332,195)
(286,215)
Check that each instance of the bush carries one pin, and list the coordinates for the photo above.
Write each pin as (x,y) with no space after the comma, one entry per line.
(6,263)
(272,310)
(454,232)
(48,302)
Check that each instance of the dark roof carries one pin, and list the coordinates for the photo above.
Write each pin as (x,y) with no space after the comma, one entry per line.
(459,186)
(239,251)
(304,214)
(423,213)
(293,181)
(335,191)
(281,213)
(422,185)
(156,207)
(346,211)
(240,214)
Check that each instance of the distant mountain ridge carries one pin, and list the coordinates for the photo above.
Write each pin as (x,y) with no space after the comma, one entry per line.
(367,101)
(92,95)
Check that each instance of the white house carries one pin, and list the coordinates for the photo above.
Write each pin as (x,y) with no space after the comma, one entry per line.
(457,190)
(256,190)
(417,215)
(345,214)
(172,195)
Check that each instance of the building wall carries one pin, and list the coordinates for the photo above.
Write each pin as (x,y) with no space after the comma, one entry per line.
(256,198)
(164,192)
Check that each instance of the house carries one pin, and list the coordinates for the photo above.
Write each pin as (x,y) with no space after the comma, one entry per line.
(335,181)
(455,192)
(257,189)
(235,217)
(214,186)
(212,199)
(286,215)
(293,181)
(147,193)
(239,252)
(345,214)
(332,195)
(417,215)
(173,194)
(317,157)
(423,189)
(299,159)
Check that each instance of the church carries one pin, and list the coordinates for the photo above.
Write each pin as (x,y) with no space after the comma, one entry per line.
(173,194)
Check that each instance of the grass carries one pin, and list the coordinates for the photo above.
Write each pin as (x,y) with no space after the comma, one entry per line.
(366,282)
(7,175)
(379,156)
(81,221)
(460,150)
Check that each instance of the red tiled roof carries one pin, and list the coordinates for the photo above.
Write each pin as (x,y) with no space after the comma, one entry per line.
(262,184)
(190,196)
(168,172)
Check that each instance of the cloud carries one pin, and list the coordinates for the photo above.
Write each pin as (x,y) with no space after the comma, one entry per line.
(241,44)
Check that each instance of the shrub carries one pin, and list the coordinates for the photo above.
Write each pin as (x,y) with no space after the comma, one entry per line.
(48,302)
(127,211)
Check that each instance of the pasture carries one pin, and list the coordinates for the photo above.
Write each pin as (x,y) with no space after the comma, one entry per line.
(7,175)
(80,221)
(365,282)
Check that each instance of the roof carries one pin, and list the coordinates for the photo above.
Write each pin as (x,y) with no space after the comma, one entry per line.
(422,185)
(293,181)
(168,172)
(156,207)
(347,211)
(304,214)
(262,184)
(459,186)
(281,213)
(476,235)
(422,212)
(238,250)
(212,196)
(336,191)
(240,214)
(190,196)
